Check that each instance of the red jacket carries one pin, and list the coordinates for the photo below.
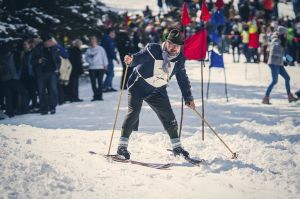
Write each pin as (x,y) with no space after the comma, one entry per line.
(253,40)
(268,4)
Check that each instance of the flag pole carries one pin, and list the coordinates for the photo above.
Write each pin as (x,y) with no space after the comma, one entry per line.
(185,20)
(207,89)
(226,93)
(202,65)
(259,71)
(246,70)
(225,79)
(181,113)
(202,97)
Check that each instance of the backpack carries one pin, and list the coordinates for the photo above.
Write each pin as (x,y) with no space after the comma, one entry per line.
(65,71)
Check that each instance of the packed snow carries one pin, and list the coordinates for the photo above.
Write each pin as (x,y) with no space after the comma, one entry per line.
(47,156)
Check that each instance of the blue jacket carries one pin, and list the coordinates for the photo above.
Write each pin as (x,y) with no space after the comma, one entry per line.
(110,48)
(148,75)
(62,51)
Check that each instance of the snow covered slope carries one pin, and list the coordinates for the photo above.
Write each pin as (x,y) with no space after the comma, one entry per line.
(47,156)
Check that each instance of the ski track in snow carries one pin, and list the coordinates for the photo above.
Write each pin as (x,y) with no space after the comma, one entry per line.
(47,156)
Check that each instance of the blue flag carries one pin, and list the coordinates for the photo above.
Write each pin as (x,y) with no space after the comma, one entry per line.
(216,60)
(214,37)
(217,19)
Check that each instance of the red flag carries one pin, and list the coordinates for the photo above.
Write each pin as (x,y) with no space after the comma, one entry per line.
(194,47)
(205,16)
(219,4)
(185,18)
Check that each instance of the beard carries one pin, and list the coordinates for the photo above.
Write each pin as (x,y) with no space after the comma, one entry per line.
(173,52)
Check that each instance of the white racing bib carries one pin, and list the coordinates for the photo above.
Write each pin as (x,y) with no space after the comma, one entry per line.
(160,78)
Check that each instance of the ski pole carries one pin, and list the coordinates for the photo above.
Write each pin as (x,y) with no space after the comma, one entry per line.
(181,117)
(117,113)
(234,154)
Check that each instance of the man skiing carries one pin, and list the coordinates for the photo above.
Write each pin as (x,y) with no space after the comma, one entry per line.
(153,67)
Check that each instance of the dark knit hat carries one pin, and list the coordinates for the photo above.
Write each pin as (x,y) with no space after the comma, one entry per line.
(47,36)
(175,37)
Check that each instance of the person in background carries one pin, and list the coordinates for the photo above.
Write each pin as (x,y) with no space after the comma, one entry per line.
(147,12)
(10,78)
(2,103)
(96,58)
(244,10)
(28,77)
(264,43)
(169,5)
(275,62)
(2,115)
(160,6)
(134,37)
(124,45)
(245,41)
(253,41)
(291,44)
(75,57)
(297,38)
(62,88)
(296,7)
(2,95)
(268,6)
(110,48)
(46,63)
(275,9)
(36,40)
(235,44)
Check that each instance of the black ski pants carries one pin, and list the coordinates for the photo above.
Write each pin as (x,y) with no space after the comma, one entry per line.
(160,103)
(96,75)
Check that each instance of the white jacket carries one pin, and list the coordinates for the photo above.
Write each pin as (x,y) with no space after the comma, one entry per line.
(96,58)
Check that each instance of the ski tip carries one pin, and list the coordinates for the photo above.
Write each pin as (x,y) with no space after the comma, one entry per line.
(92,152)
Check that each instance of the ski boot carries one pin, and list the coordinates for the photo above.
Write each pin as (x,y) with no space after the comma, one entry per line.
(266,100)
(123,152)
(178,151)
(291,98)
